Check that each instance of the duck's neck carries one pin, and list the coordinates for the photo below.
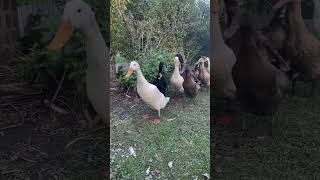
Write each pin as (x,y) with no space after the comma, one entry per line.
(140,77)
(295,16)
(177,69)
(202,66)
(97,50)
(215,24)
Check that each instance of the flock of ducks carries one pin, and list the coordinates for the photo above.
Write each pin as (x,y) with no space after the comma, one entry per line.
(183,80)
(256,65)
(250,71)
(77,15)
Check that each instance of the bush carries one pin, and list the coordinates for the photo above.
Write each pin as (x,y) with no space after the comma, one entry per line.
(119,59)
(149,64)
(46,67)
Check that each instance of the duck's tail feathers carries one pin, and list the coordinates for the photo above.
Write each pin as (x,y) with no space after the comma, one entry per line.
(181,90)
(161,67)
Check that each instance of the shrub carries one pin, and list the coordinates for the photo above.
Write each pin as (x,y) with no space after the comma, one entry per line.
(120,59)
(40,65)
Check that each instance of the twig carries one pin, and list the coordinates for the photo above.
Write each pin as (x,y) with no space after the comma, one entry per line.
(59,86)
(20,52)
(54,107)
(8,68)
(97,143)
(128,91)
(12,126)
(19,113)
(29,160)
(75,140)
(72,111)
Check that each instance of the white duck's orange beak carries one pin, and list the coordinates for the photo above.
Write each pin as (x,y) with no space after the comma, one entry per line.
(62,36)
(129,73)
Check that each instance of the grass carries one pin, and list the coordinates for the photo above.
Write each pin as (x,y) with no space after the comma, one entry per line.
(292,153)
(182,137)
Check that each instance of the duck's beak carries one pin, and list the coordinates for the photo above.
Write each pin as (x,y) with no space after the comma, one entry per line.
(130,71)
(62,36)
(280,4)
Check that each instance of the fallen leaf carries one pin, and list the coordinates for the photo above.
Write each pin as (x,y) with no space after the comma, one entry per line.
(148,171)
(206,175)
(132,152)
(170,164)
(156,121)
(129,132)
(146,116)
(171,119)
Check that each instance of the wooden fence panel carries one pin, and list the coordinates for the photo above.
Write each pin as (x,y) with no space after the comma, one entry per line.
(41,7)
(8,24)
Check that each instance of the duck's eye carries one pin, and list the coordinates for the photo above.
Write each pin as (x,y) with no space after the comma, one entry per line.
(79,10)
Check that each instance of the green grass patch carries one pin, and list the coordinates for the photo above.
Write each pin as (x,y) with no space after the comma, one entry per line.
(182,137)
(292,153)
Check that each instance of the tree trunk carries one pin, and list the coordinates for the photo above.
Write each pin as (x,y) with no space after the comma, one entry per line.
(113,65)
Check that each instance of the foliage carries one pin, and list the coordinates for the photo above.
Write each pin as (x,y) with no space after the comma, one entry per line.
(24,2)
(138,26)
(149,64)
(119,59)
(48,67)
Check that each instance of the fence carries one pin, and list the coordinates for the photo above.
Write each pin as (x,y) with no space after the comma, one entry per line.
(8,23)
(41,7)
(13,20)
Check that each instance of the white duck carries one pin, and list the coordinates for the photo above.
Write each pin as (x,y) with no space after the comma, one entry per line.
(148,92)
(207,59)
(78,15)
(176,78)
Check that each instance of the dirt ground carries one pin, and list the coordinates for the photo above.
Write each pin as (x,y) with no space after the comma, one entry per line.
(37,142)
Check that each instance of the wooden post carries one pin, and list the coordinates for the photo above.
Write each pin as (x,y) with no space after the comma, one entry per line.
(8,26)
